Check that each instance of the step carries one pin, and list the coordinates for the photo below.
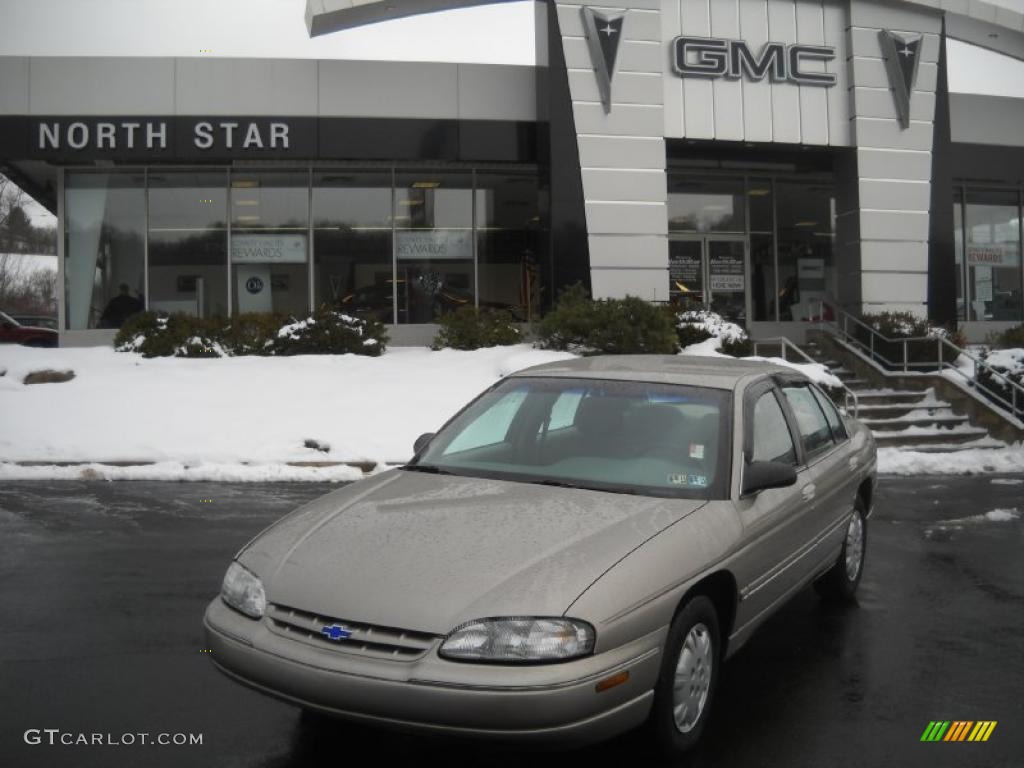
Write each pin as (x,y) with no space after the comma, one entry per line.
(855,383)
(889,396)
(914,436)
(890,425)
(976,445)
(873,411)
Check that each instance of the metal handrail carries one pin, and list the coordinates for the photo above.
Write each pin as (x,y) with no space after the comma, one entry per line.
(942,362)
(783,343)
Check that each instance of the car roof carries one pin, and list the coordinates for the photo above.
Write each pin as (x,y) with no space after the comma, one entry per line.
(714,372)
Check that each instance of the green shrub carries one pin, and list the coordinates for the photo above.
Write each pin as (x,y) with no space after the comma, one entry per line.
(627,326)
(329,332)
(695,326)
(252,333)
(324,332)
(472,328)
(922,352)
(1011,338)
(157,334)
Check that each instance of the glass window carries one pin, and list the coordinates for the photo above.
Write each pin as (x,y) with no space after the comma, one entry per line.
(269,248)
(706,205)
(814,429)
(759,200)
(105,219)
(188,242)
(762,280)
(806,269)
(352,242)
(772,441)
(992,252)
(434,248)
(509,242)
(958,247)
(624,436)
(835,422)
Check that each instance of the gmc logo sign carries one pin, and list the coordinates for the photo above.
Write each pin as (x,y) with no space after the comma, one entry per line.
(733,59)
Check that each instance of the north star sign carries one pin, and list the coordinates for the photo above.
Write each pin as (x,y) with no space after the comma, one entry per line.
(732,59)
(55,135)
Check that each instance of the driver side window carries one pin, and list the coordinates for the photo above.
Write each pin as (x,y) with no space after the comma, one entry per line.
(772,441)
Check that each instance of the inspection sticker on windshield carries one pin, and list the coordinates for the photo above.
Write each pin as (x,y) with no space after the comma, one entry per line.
(693,481)
(696,450)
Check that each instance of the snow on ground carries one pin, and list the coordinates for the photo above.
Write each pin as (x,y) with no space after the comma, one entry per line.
(992,516)
(215,415)
(973,461)
(248,418)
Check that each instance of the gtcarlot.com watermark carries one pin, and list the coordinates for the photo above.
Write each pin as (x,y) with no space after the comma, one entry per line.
(55,737)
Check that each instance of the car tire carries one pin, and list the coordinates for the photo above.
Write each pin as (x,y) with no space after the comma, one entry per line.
(689,675)
(841,581)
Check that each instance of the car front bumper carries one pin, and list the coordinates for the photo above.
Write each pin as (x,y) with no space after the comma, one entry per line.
(555,703)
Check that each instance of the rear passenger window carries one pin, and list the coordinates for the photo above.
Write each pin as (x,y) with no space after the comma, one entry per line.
(814,429)
(831,414)
(772,441)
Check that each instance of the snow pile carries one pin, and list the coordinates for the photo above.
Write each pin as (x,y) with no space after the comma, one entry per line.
(713,323)
(210,417)
(972,461)
(992,516)
(178,471)
(1008,361)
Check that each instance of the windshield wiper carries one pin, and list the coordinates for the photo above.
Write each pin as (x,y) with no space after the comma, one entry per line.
(569,484)
(431,469)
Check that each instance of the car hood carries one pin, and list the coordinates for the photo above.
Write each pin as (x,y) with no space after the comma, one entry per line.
(429,552)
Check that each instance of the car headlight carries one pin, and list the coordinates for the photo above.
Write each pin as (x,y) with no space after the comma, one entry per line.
(519,640)
(243,591)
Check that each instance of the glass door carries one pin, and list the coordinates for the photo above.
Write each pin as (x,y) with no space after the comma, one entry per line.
(709,272)
(727,277)
(686,273)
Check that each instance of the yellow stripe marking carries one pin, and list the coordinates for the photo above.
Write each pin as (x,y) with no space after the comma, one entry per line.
(978,728)
(988,731)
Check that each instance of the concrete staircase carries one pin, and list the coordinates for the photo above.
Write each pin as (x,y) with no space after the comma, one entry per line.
(915,420)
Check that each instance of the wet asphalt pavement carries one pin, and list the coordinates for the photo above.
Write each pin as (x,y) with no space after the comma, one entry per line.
(103,586)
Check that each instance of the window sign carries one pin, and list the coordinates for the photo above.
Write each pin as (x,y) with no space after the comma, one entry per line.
(434,244)
(268,249)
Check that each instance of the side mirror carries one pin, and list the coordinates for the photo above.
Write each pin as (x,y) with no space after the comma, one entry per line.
(426,437)
(762,475)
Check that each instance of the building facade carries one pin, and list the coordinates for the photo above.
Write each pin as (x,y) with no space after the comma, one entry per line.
(774,160)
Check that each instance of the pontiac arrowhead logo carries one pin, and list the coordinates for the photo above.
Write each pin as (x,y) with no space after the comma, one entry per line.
(902,54)
(603,30)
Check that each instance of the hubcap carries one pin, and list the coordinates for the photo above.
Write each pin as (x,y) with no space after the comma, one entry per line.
(693,678)
(854,546)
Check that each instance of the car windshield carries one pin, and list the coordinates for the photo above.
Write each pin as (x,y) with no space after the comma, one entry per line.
(620,436)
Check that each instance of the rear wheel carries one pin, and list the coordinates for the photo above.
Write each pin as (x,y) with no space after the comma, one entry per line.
(841,581)
(689,674)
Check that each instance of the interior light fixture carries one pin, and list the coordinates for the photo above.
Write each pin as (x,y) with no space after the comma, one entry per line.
(759,192)
(244,183)
(426,184)
(248,218)
(806,224)
(247,202)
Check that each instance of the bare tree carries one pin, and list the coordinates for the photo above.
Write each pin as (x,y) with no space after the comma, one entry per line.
(11,267)
(11,198)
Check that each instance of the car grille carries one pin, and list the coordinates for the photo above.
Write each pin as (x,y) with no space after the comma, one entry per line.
(366,639)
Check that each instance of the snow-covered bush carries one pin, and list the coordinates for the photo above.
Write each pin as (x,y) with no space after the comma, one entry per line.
(158,334)
(473,328)
(326,331)
(896,326)
(1009,363)
(329,332)
(698,326)
(586,326)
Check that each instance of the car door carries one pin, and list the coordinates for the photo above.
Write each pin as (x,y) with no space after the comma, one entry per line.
(825,454)
(836,475)
(775,521)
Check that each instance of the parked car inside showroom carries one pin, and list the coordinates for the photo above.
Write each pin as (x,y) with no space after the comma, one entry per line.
(573,555)
(13,332)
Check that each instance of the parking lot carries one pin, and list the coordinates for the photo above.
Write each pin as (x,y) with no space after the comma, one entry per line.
(103,585)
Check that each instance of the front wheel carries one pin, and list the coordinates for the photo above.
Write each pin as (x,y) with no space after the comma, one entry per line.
(841,581)
(689,674)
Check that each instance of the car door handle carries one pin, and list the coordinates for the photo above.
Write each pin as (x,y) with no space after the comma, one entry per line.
(808,491)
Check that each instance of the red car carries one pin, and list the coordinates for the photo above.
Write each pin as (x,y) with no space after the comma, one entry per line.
(13,332)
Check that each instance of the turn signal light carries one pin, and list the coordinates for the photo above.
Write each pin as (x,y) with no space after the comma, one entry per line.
(610,682)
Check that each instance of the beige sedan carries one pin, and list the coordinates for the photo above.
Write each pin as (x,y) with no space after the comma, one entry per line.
(573,555)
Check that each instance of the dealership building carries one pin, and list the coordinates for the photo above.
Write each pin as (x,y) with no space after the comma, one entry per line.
(763,158)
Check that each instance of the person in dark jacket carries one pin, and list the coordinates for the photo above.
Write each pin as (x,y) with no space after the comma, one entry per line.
(120,308)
